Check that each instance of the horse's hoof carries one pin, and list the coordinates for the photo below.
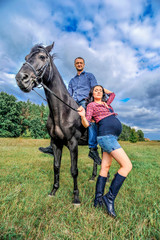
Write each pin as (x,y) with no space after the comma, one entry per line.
(76,203)
(92,179)
(51,195)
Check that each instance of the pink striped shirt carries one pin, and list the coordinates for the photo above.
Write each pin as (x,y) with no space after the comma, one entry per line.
(99,111)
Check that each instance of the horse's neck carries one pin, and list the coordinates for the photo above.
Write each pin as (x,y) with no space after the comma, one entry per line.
(56,82)
(57,86)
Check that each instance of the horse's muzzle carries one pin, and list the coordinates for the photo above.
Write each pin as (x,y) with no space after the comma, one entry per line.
(25,82)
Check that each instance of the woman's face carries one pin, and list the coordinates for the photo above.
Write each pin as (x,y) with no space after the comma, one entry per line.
(98,93)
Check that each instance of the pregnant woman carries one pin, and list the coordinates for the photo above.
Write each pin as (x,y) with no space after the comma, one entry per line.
(109,128)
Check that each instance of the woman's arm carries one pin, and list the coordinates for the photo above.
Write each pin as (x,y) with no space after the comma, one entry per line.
(111,98)
(81,112)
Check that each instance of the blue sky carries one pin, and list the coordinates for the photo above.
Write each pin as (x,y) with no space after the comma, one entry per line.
(120,41)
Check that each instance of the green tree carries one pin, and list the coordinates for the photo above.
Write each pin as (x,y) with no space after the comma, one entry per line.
(24,118)
(37,128)
(126,130)
(33,120)
(140,135)
(10,112)
(133,136)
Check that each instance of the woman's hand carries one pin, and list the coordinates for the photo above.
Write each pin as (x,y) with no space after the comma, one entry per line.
(107,91)
(81,111)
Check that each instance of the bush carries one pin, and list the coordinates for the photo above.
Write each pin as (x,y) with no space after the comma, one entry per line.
(133,138)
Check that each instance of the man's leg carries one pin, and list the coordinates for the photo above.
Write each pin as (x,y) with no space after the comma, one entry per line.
(92,142)
(92,131)
(82,103)
(47,150)
(92,138)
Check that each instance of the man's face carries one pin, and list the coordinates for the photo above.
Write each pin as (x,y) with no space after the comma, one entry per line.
(79,64)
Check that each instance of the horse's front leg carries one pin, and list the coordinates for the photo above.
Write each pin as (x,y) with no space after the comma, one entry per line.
(57,149)
(73,147)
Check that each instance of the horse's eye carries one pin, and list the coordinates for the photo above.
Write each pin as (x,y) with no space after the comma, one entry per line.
(42,57)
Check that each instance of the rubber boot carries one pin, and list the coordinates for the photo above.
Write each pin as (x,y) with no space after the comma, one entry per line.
(109,198)
(47,150)
(100,185)
(93,153)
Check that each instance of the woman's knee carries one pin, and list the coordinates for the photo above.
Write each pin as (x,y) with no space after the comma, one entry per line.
(105,167)
(130,166)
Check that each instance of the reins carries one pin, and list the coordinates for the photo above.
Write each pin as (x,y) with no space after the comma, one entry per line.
(39,95)
(58,97)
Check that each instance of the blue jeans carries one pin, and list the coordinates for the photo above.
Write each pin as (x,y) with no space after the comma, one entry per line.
(92,132)
(92,129)
(82,103)
(108,143)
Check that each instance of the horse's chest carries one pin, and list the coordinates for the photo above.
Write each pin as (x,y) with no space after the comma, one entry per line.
(58,132)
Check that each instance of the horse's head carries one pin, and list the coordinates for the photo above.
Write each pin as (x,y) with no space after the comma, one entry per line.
(37,65)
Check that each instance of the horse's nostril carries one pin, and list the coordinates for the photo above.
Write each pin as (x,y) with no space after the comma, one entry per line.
(22,77)
(25,76)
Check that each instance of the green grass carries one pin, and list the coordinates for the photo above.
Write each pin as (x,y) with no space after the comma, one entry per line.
(26,211)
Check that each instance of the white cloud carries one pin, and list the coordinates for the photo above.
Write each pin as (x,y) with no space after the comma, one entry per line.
(85,25)
(124,9)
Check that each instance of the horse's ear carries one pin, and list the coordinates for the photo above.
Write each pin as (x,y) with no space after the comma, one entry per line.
(49,48)
(26,57)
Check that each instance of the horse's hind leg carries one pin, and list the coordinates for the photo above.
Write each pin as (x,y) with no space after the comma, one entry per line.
(94,172)
(57,149)
(73,147)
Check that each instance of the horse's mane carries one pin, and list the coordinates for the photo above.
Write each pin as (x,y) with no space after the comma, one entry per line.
(40,45)
(36,46)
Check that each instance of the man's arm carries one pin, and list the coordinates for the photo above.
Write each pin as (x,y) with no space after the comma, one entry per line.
(70,90)
(93,81)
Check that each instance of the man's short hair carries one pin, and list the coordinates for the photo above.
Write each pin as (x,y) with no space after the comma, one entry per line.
(79,58)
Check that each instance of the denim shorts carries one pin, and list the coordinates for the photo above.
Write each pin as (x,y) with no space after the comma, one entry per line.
(108,143)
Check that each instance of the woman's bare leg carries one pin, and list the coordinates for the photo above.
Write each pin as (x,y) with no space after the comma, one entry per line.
(125,164)
(105,165)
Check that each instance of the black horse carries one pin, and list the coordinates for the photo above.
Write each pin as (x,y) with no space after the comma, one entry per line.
(64,123)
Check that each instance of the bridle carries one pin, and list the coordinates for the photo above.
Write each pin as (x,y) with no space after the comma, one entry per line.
(40,73)
(39,76)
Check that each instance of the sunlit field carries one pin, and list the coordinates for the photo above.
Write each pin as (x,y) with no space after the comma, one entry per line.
(27,212)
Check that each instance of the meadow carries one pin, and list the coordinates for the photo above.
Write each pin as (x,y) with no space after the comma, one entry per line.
(27,212)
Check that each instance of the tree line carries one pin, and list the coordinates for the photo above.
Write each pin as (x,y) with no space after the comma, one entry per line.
(26,119)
